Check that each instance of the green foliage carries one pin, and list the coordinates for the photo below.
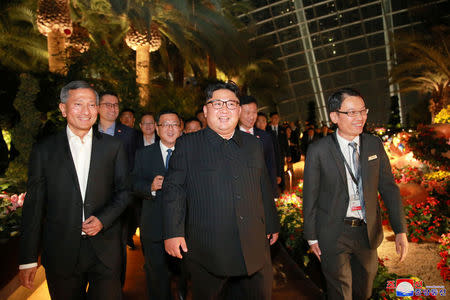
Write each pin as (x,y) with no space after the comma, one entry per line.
(24,132)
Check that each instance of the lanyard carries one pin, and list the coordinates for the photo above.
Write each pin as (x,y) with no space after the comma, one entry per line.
(336,143)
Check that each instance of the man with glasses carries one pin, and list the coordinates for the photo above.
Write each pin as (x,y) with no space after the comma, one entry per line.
(148,175)
(219,212)
(343,174)
(148,135)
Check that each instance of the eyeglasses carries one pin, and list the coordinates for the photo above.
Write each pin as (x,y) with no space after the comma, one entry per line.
(148,123)
(111,105)
(169,125)
(353,113)
(218,104)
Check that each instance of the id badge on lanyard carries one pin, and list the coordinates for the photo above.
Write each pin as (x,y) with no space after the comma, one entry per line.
(355,202)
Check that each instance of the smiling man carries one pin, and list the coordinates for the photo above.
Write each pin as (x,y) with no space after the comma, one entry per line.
(76,192)
(343,174)
(219,213)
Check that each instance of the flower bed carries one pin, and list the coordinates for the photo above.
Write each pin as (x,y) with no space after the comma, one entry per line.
(444,252)
(10,215)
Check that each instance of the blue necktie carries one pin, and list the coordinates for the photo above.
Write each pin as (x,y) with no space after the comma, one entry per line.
(169,154)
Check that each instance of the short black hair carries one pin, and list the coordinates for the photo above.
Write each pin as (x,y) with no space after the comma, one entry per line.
(221,85)
(166,112)
(262,114)
(336,99)
(112,93)
(273,114)
(244,99)
(127,110)
(192,120)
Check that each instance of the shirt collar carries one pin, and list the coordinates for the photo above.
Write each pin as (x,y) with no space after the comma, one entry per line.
(344,142)
(164,148)
(72,135)
(215,139)
(251,131)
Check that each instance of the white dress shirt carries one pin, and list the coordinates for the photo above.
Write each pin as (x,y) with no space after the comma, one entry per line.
(80,148)
(250,131)
(152,140)
(164,156)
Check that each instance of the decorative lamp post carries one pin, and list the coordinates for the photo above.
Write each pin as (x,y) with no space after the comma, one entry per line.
(53,20)
(143,43)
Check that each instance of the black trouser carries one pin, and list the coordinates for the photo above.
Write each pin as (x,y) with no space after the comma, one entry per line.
(206,286)
(156,269)
(104,283)
(351,266)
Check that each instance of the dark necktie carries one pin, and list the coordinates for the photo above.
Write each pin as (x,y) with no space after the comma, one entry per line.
(169,154)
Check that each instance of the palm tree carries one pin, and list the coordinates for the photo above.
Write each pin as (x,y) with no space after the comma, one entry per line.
(424,66)
(54,22)
(22,48)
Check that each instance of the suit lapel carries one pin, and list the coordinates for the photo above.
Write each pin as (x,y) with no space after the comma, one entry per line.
(95,156)
(68,161)
(338,157)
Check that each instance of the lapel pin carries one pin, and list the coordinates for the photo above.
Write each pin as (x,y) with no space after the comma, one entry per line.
(373,157)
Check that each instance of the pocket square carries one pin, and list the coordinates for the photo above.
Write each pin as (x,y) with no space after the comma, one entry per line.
(372,157)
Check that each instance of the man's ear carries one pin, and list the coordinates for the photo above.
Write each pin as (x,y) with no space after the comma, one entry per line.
(62,108)
(205,111)
(334,117)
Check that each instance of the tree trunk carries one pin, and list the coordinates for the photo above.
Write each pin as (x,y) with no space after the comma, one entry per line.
(178,68)
(143,74)
(56,52)
(212,74)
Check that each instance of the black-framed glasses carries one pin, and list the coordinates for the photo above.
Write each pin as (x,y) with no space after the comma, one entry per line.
(110,105)
(353,114)
(169,125)
(218,104)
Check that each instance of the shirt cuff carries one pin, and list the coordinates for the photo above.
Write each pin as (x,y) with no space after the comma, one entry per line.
(27,266)
(154,193)
(312,242)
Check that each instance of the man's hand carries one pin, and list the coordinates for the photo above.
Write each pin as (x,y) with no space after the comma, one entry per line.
(316,250)
(26,277)
(272,238)
(401,245)
(92,226)
(157,183)
(173,246)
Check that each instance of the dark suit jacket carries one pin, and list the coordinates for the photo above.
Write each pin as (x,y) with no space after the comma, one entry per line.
(140,139)
(326,194)
(217,194)
(281,148)
(269,156)
(53,205)
(128,137)
(149,163)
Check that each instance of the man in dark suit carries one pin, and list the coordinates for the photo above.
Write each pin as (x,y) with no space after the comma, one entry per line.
(247,119)
(108,112)
(147,135)
(281,146)
(344,172)
(148,176)
(218,205)
(76,192)
(309,137)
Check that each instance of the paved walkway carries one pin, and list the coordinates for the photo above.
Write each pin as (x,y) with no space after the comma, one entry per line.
(290,283)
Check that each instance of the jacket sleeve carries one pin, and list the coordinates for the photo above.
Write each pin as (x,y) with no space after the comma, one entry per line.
(174,193)
(121,196)
(33,210)
(141,184)
(311,185)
